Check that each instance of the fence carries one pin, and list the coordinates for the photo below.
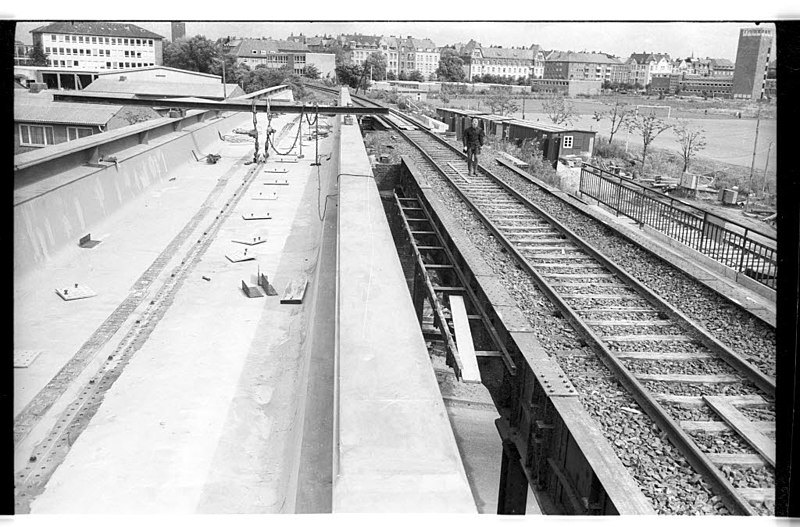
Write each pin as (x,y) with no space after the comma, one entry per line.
(730,243)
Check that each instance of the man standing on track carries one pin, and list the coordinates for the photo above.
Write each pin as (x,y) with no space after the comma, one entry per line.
(473,138)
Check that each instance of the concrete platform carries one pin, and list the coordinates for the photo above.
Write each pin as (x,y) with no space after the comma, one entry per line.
(394,450)
(204,418)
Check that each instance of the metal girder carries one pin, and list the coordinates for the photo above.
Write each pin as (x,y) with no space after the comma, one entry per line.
(229,105)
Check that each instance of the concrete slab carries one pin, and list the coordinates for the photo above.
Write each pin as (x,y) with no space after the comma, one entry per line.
(202,418)
(394,448)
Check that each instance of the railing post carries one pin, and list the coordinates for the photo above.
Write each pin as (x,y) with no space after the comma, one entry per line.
(619,190)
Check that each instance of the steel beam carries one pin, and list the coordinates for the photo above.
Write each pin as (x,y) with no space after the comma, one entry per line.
(225,106)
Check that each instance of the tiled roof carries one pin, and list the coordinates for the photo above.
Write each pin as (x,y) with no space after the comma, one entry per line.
(721,63)
(423,43)
(591,58)
(106,29)
(508,53)
(370,41)
(40,108)
(249,45)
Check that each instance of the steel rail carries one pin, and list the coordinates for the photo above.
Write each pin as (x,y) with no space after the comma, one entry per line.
(729,495)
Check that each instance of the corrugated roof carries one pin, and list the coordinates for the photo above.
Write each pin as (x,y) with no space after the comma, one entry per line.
(166,68)
(40,108)
(159,89)
(106,29)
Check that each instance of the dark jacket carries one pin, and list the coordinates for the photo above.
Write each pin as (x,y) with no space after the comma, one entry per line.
(473,137)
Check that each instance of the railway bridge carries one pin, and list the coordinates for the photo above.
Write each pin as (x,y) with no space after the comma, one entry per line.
(199,329)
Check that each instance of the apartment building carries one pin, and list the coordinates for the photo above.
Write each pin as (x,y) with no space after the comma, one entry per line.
(94,46)
(513,63)
(644,65)
(568,65)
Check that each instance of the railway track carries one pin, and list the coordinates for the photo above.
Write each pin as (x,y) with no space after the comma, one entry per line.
(670,365)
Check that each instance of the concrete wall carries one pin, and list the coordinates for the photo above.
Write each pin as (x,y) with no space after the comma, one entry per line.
(394,450)
(45,222)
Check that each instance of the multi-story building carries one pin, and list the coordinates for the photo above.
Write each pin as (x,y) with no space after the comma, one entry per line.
(568,65)
(644,65)
(21,51)
(94,46)
(279,53)
(691,84)
(752,63)
(512,63)
(359,47)
(705,67)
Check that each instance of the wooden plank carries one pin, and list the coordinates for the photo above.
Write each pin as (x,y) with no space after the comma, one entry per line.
(464,345)
(598,295)
(628,322)
(715,427)
(741,460)
(756,494)
(689,379)
(616,309)
(647,338)
(295,291)
(489,353)
(696,400)
(739,422)
(577,275)
(646,355)
(76,292)
(587,284)
(256,216)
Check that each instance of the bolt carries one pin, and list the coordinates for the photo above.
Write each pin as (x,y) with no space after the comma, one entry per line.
(76,286)
(32,459)
(110,357)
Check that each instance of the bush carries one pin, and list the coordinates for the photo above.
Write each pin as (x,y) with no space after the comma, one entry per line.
(609,150)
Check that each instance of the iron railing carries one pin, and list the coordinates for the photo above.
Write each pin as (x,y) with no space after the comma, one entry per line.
(736,246)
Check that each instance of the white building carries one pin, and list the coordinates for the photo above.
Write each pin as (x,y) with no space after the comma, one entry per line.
(94,46)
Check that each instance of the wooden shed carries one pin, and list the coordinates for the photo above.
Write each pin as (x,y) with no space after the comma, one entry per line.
(554,140)
(458,119)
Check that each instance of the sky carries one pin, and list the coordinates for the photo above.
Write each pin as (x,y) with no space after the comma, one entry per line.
(681,39)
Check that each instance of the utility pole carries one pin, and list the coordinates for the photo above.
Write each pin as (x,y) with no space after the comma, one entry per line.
(766,164)
(523,106)
(753,163)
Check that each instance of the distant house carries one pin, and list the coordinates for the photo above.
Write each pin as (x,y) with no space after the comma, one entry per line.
(40,122)
(164,82)
(644,65)
(568,65)
(511,63)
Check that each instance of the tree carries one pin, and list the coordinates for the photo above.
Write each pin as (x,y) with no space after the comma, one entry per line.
(341,55)
(559,109)
(194,54)
(376,63)
(416,75)
(617,113)
(349,74)
(502,103)
(311,71)
(232,71)
(391,76)
(691,141)
(451,66)
(37,55)
(649,127)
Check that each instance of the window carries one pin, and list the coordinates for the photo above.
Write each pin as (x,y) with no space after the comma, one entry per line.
(76,63)
(125,41)
(567,143)
(108,65)
(69,51)
(52,38)
(113,42)
(94,40)
(47,50)
(80,40)
(149,42)
(76,132)
(30,135)
(126,53)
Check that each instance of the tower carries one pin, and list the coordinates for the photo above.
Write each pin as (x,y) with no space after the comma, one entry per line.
(178,30)
(752,61)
